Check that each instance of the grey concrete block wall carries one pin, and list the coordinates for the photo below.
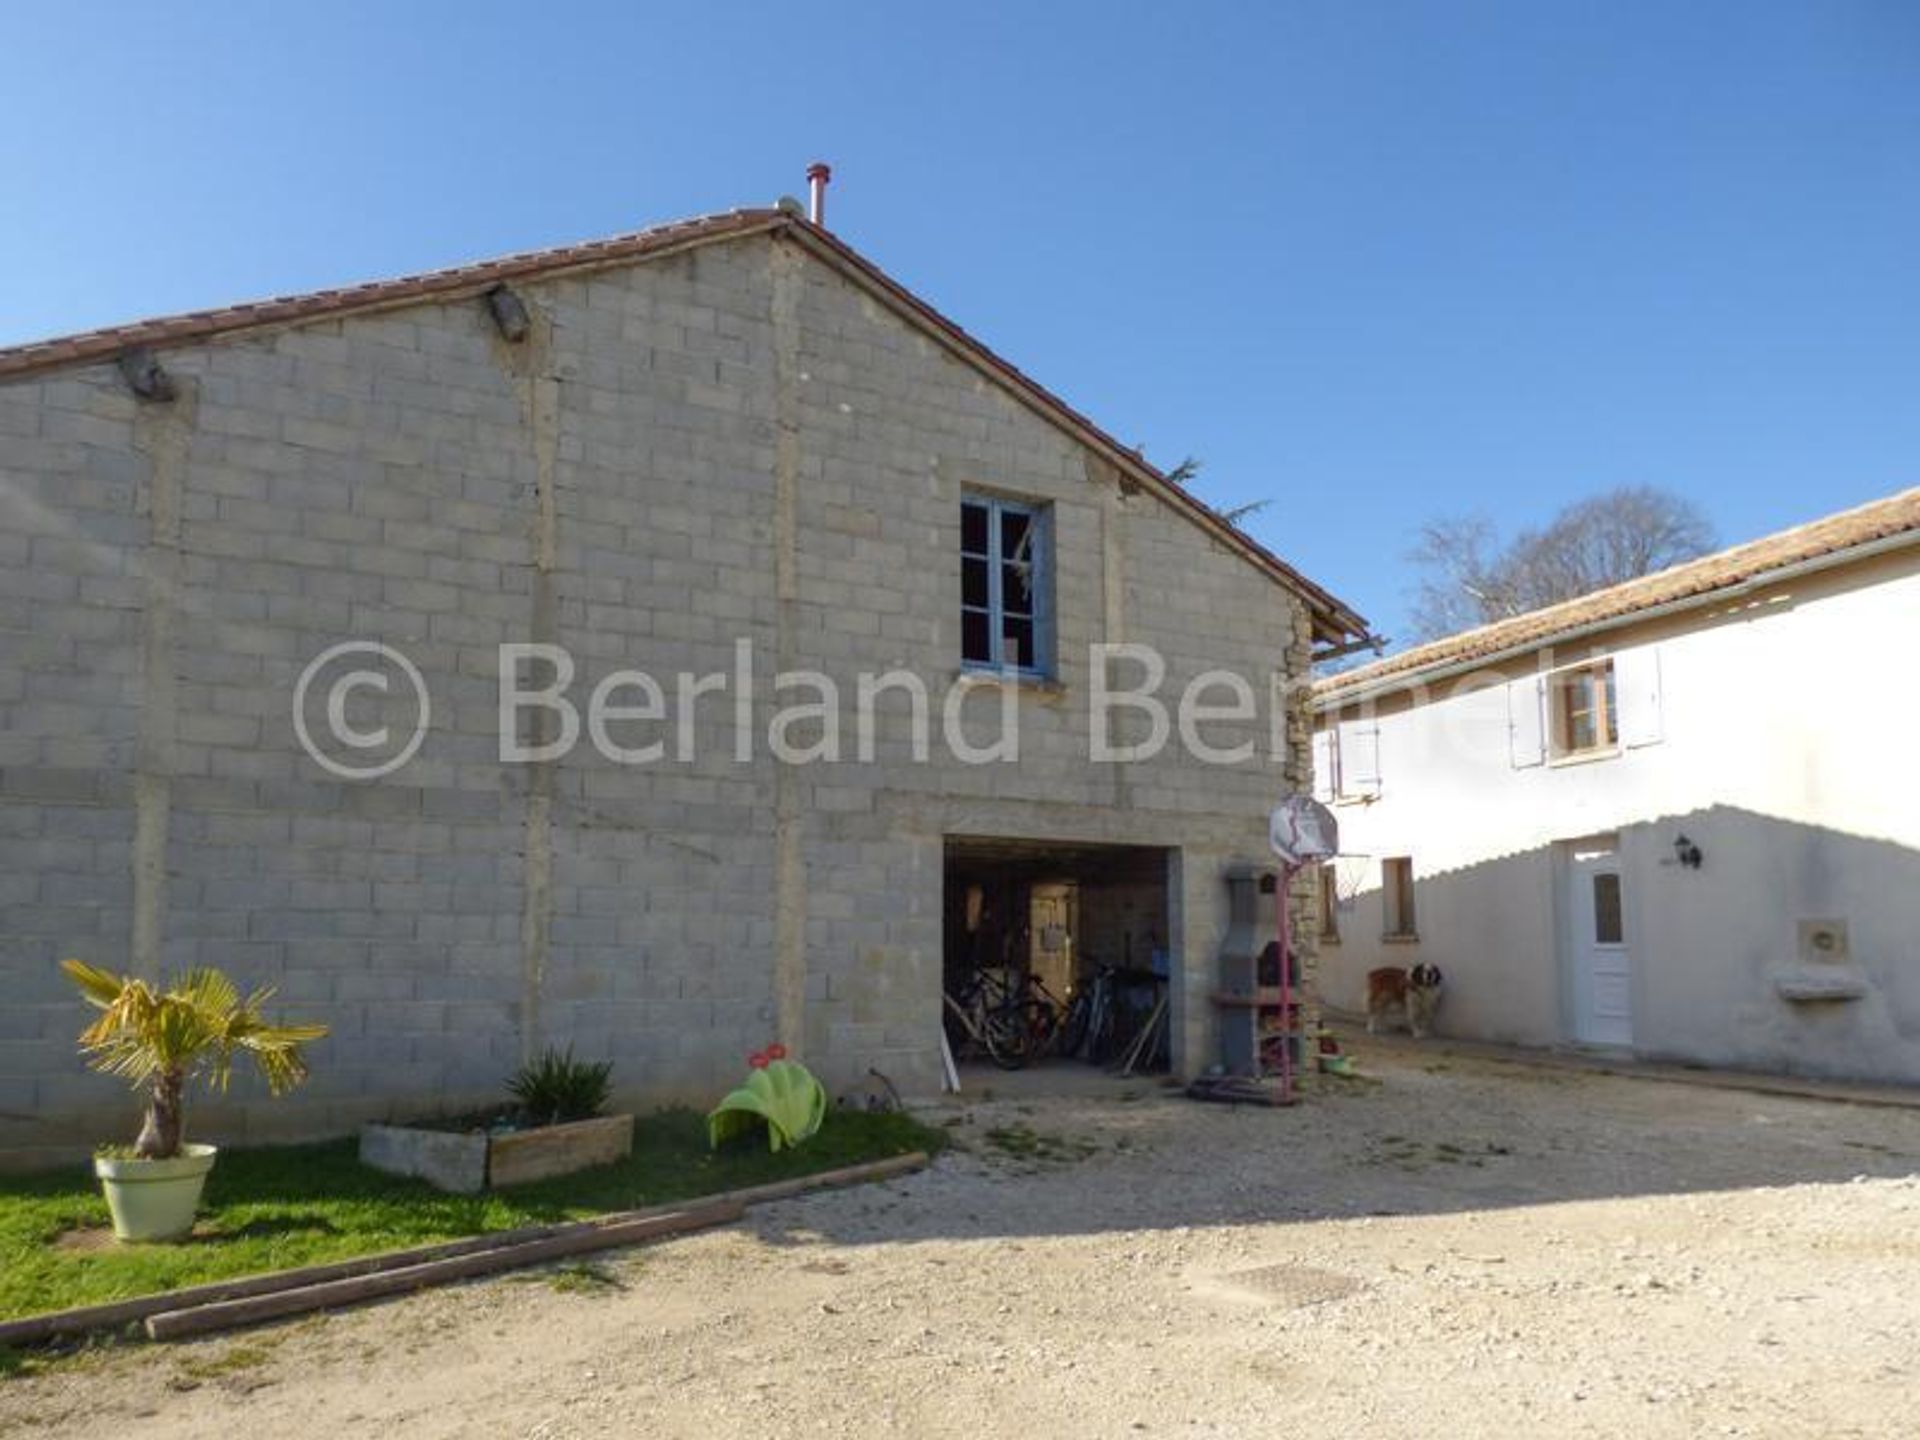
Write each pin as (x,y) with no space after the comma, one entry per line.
(735,442)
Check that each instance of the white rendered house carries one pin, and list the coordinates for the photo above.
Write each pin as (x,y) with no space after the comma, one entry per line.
(1678,817)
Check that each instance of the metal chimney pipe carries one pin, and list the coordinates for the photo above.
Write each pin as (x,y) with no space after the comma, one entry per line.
(818,174)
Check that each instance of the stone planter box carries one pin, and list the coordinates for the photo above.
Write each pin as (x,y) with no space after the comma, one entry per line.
(467,1162)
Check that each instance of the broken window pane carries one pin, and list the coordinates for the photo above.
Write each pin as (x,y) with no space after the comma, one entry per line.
(1014,528)
(1016,587)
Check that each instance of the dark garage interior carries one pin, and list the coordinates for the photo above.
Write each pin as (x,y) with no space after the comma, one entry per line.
(1057,951)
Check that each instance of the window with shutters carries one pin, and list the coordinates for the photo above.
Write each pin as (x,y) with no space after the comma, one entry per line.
(1592,711)
(1005,575)
(1585,712)
(1396,877)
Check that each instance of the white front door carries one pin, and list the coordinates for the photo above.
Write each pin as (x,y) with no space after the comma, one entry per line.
(1602,968)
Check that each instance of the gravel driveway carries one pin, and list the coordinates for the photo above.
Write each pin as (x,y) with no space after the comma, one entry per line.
(1464,1248)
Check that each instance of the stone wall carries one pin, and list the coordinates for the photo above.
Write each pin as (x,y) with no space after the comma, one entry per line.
(734,443)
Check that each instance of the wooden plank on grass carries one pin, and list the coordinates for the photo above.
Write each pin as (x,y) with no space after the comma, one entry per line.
(38,1329)
(226,1314)
(861,1174)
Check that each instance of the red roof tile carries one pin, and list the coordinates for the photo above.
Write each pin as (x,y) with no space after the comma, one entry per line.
(205,324)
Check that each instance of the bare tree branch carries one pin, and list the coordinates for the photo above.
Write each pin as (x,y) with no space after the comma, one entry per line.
(1468,577)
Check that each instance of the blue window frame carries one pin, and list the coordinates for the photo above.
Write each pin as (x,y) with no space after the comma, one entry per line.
(1005,586)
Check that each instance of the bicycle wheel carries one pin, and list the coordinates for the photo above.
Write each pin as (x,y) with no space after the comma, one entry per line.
(1100,1028)
(1043,1028)
(1005,1031)
(1073,1030)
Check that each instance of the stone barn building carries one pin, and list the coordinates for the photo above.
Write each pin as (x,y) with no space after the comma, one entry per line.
(725,449)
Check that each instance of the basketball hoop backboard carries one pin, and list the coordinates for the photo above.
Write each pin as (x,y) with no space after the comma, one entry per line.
(1302,831)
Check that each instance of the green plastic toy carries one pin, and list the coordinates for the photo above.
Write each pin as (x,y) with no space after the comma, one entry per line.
(780,1092)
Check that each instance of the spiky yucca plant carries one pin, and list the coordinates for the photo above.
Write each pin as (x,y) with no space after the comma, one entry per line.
(557,1088)
(160,1039)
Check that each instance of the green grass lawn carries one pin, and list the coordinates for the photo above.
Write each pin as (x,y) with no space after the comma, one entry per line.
(274,1208)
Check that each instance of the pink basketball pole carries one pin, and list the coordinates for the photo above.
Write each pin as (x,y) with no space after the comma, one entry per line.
(1301,831)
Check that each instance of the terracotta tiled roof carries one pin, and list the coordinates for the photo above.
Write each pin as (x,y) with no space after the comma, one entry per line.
(376,294)
(1335,620)
(1817,540)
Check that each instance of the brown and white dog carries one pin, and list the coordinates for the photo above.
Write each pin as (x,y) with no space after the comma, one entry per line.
(1415,991)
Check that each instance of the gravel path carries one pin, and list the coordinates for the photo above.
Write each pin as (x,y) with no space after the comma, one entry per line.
(1469,1248)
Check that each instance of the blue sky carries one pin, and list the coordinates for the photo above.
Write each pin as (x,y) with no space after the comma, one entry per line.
(1374,261)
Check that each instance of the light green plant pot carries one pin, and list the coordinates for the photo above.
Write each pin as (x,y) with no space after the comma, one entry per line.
(155,1199)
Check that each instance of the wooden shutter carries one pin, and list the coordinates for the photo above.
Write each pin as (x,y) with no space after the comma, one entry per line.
(1359,758)
(1527,721)
(1636,687)
(1326,763)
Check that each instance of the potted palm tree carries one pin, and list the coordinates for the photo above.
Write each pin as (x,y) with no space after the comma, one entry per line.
(159,1039)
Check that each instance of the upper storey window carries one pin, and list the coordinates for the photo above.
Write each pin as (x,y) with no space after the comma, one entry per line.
(1006,570)
(1586,711)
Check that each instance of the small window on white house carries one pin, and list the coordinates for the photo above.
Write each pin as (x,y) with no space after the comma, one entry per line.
(1585,711)
(1396,877)
(1005,573)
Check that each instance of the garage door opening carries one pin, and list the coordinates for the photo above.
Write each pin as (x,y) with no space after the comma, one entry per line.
(1057,951)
